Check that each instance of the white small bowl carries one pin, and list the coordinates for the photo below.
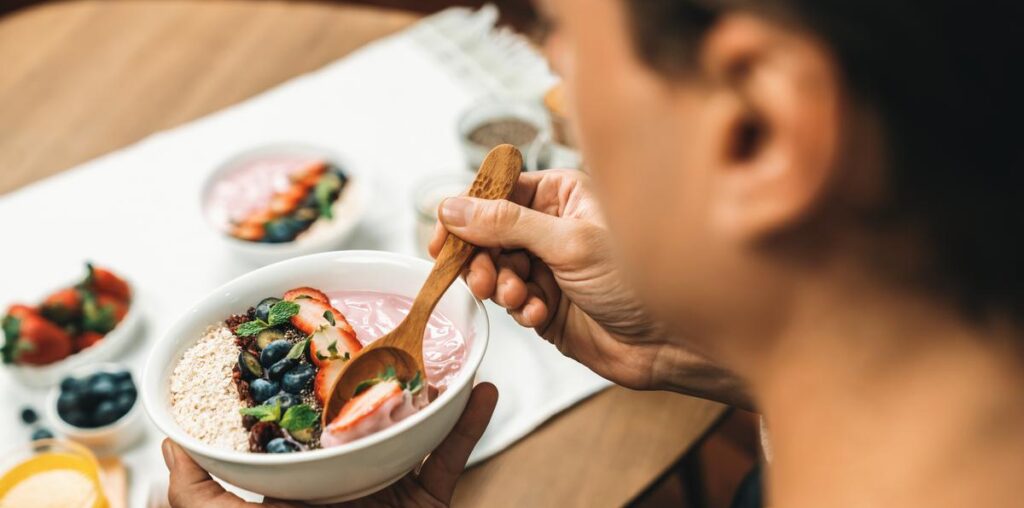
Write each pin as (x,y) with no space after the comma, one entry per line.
(339,473)
(113,343)
(490,109)
(105,440)
(322,235)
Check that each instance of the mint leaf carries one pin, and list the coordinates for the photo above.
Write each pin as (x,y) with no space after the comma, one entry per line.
(282,311)
(298,349)
(388,373)
(249,328)
(329,316)
(299,417)
(265,413)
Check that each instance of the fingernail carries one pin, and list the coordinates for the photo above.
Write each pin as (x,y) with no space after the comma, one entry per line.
(456,211)
(168,453)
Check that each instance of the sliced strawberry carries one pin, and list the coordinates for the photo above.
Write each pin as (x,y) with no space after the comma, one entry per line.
(257,219)
(344,343)
(365,404)
(86,339)
(102,280)
(308,292)
(40,342)
(284,202)
(325,379)
(310,175)
(63,306)
(250,232)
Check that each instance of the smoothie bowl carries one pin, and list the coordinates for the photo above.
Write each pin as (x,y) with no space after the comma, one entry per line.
(279,201)
(239,381)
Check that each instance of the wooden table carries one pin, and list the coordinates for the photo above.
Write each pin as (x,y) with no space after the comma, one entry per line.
(80,79)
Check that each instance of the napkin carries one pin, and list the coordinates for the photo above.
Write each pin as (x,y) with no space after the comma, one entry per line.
(390,108)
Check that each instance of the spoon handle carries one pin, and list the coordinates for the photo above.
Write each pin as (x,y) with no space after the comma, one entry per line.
(495,180)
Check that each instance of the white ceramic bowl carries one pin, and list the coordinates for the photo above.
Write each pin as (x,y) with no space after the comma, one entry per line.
(113,343)
(323,235)
(333,474)
(105,440)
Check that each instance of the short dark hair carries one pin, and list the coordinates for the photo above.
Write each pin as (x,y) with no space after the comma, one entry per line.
(947,83)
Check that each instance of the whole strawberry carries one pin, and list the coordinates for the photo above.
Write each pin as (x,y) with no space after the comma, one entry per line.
(102,280)
(62,307)
(30,339)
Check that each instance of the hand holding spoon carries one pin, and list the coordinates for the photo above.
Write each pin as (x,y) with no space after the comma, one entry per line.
(402,349)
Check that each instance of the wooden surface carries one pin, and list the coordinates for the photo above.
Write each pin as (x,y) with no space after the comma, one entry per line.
(79,79)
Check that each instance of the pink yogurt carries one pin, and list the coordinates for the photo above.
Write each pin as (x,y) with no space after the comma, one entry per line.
(249,186)
(373,315)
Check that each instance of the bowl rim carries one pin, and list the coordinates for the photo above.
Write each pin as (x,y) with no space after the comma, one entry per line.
(355,191)
(163,420)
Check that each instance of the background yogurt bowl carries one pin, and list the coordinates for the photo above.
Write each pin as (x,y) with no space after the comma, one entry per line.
(322,235)
(351,470)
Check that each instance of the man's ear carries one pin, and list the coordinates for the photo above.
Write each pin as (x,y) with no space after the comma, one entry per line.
(776,114)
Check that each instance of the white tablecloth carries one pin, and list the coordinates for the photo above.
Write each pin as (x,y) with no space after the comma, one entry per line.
(390,108)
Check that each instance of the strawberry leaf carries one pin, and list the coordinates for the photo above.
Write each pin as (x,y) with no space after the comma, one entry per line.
(11,327)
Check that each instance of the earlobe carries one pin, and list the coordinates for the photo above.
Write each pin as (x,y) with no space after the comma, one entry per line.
(780,140)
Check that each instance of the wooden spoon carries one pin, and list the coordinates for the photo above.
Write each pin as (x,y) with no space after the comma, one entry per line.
(402,349)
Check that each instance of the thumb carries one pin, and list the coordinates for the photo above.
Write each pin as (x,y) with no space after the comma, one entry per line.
(189,486)
(502,223)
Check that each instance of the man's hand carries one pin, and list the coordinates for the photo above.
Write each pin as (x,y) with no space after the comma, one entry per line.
(548,260)
(192,487)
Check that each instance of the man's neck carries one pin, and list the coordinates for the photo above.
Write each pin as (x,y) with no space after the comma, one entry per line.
(877,398)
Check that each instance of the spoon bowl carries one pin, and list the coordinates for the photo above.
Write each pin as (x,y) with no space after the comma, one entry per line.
(402,349)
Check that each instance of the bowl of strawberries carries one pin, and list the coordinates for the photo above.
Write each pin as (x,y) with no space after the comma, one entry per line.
(89,321)
(278,201)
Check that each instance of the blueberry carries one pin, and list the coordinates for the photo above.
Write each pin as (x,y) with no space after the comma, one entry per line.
(29,416)
(261,389)
(70,384)
(76,418)
(263,308)
(122,375)
(106,413)
(249,366)
(68,401)
(282,230)
(42,434)
(295,380)
(281,445)
(103,386)
(124,387)
(274,351)
(268,336)
(280,368)
(286,400)
(124,403)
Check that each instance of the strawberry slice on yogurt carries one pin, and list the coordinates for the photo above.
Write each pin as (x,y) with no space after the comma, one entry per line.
(332,337)
(384,403)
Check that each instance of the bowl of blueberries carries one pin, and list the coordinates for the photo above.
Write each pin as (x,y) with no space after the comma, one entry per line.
(97,406)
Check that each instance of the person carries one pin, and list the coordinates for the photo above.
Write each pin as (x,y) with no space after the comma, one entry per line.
(807,206)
